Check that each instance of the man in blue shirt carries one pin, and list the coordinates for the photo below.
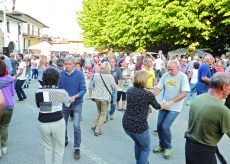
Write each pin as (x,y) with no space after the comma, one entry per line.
(204,75)
(73,81)
(8,64)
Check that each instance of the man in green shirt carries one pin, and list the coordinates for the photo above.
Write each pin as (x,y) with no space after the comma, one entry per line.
(209,120)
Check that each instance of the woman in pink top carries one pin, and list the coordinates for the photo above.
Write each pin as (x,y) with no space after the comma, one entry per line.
(219,66)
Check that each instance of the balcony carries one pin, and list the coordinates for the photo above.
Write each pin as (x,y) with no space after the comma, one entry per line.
(34,34)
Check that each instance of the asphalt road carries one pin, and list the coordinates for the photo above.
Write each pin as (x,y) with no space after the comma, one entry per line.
(112,147)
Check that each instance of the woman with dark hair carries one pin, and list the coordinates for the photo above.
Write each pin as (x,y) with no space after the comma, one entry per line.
(52,125)
(126,83)
(2,58)
(7,89)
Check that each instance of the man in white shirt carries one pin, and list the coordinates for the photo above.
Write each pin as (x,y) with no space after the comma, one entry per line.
(174,85)
(21,77)
(158,66)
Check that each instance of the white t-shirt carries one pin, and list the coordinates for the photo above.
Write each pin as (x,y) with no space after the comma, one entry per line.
(22,65)
(127,59)
(173,86)
(194,78)
(159,63)
(37,63)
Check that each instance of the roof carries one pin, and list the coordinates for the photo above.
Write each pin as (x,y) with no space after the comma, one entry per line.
(19,14)
(13,17)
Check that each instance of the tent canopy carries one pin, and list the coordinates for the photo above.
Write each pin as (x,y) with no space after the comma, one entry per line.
(44,47)
(180,52)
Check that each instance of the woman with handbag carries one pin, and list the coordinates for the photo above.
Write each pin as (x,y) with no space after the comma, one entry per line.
(103,85)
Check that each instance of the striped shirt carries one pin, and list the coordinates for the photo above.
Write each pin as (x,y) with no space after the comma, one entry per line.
(50,101)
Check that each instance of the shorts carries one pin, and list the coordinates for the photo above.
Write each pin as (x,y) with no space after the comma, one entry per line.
(119,94)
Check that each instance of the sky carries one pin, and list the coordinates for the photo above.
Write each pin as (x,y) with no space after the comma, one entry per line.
(59,15)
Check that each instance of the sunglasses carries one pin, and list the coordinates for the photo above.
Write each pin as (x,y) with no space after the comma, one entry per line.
(2,57)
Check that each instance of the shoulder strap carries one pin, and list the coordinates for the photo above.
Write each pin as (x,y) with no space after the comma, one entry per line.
(105,85)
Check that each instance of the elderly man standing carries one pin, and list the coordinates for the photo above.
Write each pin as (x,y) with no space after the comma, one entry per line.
(204,75)
(73,81)
(174,85)
(208,122)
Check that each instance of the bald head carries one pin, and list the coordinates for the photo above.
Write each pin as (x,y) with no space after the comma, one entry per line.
(172,63)
(172,67)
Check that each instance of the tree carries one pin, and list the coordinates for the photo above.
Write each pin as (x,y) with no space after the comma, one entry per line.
(143,23)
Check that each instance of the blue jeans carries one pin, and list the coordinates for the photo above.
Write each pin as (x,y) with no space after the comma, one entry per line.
(201,88)
(191,95)
(18,87)
(158,74)
(142,146)
(164,122)
(113,106)
(27,80)
(77,111)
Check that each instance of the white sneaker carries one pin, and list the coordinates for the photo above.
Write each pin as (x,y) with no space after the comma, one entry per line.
(111,117)
(4,150)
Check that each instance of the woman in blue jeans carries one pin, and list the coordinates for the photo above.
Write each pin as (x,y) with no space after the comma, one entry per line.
(135,118)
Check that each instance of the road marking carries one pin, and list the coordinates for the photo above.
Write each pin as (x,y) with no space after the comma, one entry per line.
(90,154)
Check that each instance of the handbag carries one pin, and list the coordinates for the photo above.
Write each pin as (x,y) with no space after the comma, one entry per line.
(111,101)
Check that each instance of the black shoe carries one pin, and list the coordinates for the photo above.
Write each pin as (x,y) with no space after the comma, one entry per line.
(77,154)
(155,131)
(66,143)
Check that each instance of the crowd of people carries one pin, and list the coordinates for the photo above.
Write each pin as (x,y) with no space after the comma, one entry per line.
(201,83)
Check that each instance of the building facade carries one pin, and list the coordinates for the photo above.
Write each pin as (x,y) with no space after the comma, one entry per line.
(32,30)
(14,37)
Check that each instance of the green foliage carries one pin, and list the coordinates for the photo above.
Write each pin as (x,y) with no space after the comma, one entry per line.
(143,23)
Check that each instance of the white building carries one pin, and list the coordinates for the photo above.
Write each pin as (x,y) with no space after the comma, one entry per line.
(14,37)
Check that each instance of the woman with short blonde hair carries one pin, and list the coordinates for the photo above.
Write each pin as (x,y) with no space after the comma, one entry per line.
(103,84)
(135,118)
(140,79)
(43,64)
(105,68)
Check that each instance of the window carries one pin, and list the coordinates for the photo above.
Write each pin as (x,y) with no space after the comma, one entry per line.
(8,26)
(39,32)
(29,43)
(24,41)
(28,28)
(32,29)
(19,30)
